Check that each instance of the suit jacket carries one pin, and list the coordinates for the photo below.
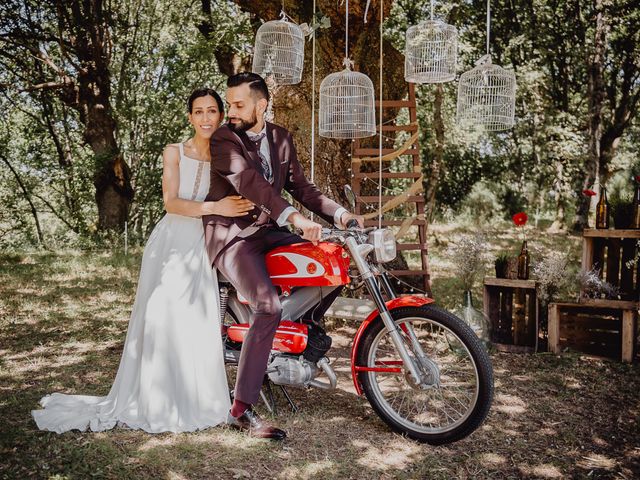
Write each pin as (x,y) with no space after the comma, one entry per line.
(236,170)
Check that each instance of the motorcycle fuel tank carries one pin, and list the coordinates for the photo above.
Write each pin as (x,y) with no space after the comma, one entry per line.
(291,337)
(308,265)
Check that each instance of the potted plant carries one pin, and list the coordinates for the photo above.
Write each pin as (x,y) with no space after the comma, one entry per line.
(502,265)
(622,209)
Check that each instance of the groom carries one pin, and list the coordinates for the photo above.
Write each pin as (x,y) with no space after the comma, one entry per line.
(258,160)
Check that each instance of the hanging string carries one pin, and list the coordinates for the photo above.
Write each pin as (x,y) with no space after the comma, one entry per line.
(283,15)
(432,3)
(380,120)
(313,99)
(346,33)
(488,23)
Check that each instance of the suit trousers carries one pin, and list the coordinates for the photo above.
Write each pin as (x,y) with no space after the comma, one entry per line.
(243,263)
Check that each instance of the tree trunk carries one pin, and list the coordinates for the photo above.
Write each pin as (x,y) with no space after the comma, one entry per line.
(87,27)
(112,177)
(596,94)
(559,223)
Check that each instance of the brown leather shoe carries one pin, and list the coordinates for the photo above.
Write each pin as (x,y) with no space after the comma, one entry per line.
(251,422)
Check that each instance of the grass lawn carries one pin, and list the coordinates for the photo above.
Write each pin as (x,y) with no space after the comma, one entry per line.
(63,318)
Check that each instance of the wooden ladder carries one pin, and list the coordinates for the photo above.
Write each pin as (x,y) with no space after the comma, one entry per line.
(359,176)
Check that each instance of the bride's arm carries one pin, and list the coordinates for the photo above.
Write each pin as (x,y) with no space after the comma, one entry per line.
(229,206)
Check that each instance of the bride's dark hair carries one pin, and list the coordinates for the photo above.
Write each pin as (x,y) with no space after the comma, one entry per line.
(203,92)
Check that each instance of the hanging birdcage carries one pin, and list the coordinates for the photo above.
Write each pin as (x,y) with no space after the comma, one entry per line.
(347,106)
(430,52)
(279,51)
(487,94)
(487,97)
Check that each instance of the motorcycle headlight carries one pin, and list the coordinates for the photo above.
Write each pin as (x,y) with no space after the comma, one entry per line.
(384,244)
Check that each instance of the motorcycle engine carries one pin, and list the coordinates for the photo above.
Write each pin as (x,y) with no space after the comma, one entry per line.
(288,370)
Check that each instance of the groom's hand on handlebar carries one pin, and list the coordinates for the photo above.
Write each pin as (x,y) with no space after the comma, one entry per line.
(349,220)
(311,230)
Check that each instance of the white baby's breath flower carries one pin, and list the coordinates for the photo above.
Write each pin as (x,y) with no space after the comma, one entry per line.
(469,256)
(550,274)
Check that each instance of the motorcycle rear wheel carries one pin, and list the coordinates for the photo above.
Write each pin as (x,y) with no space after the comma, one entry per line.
(455,392)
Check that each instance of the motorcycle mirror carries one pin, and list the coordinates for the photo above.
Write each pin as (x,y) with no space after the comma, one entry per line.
(351,197)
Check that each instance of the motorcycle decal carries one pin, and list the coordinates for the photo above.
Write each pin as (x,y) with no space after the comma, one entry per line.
(308,265)
(407,301)
(302,266)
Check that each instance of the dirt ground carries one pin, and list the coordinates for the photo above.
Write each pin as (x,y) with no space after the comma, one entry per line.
(63,318)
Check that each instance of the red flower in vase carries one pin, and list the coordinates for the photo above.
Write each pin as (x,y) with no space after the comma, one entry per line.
(589,193)
(638,178)
(520,219)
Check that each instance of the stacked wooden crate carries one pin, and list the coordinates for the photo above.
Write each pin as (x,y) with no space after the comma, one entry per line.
(512,308)
(602,327)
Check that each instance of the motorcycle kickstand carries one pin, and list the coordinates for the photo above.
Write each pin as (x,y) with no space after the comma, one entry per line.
(294,408)
(271,402)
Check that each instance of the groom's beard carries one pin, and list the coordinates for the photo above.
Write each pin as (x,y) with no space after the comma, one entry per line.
(243,125)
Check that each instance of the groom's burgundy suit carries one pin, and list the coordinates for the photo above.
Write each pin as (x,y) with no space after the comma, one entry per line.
(238,250)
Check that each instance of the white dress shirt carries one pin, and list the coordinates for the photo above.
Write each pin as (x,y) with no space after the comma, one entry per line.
(282,219)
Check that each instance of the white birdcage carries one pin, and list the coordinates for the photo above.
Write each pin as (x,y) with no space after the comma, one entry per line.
(430,53)
(347,100)
(279,51)
(347,106)
(487,94)
(487,97)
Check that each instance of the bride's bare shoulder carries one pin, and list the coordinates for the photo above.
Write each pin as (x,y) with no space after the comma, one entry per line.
(172,152)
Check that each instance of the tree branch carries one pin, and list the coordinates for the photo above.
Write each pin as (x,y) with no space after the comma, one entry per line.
(57,214)
(27,197)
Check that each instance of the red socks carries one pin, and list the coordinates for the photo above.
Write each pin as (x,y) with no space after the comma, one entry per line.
(238,408)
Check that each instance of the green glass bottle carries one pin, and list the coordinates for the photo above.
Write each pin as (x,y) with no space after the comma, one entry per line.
(635,218)
(523,262)
(602,211)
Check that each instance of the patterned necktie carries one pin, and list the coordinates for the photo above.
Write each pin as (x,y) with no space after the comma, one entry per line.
(266,165)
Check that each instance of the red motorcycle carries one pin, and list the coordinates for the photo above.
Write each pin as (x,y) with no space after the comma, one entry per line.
(422,369)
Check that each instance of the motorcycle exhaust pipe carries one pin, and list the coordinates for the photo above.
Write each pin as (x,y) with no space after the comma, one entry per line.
(323,363)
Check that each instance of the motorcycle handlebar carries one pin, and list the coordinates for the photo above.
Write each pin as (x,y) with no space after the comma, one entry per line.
(352,224)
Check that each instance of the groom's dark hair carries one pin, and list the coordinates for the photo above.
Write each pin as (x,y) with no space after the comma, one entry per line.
(257,85)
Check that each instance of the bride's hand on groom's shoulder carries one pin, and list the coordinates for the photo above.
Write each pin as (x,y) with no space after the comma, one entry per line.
(232,206)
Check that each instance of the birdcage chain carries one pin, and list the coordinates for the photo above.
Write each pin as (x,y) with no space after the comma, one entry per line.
(313,101)
(380,119)
(488,23)
(346,34)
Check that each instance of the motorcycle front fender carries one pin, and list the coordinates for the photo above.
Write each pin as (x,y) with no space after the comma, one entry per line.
(395,303)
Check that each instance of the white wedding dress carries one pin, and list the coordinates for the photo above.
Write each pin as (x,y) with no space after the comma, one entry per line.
(171,375)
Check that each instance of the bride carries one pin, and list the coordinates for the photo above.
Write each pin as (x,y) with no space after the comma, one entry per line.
(171,375)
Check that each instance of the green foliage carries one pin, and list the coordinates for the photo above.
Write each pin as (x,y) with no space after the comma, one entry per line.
(482,204)
(157,55)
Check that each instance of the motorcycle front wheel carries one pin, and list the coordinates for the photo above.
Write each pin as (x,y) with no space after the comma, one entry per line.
(454,393)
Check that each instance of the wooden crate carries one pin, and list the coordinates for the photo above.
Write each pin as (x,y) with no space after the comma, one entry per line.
(601,328)
(512,308)
(610,251)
